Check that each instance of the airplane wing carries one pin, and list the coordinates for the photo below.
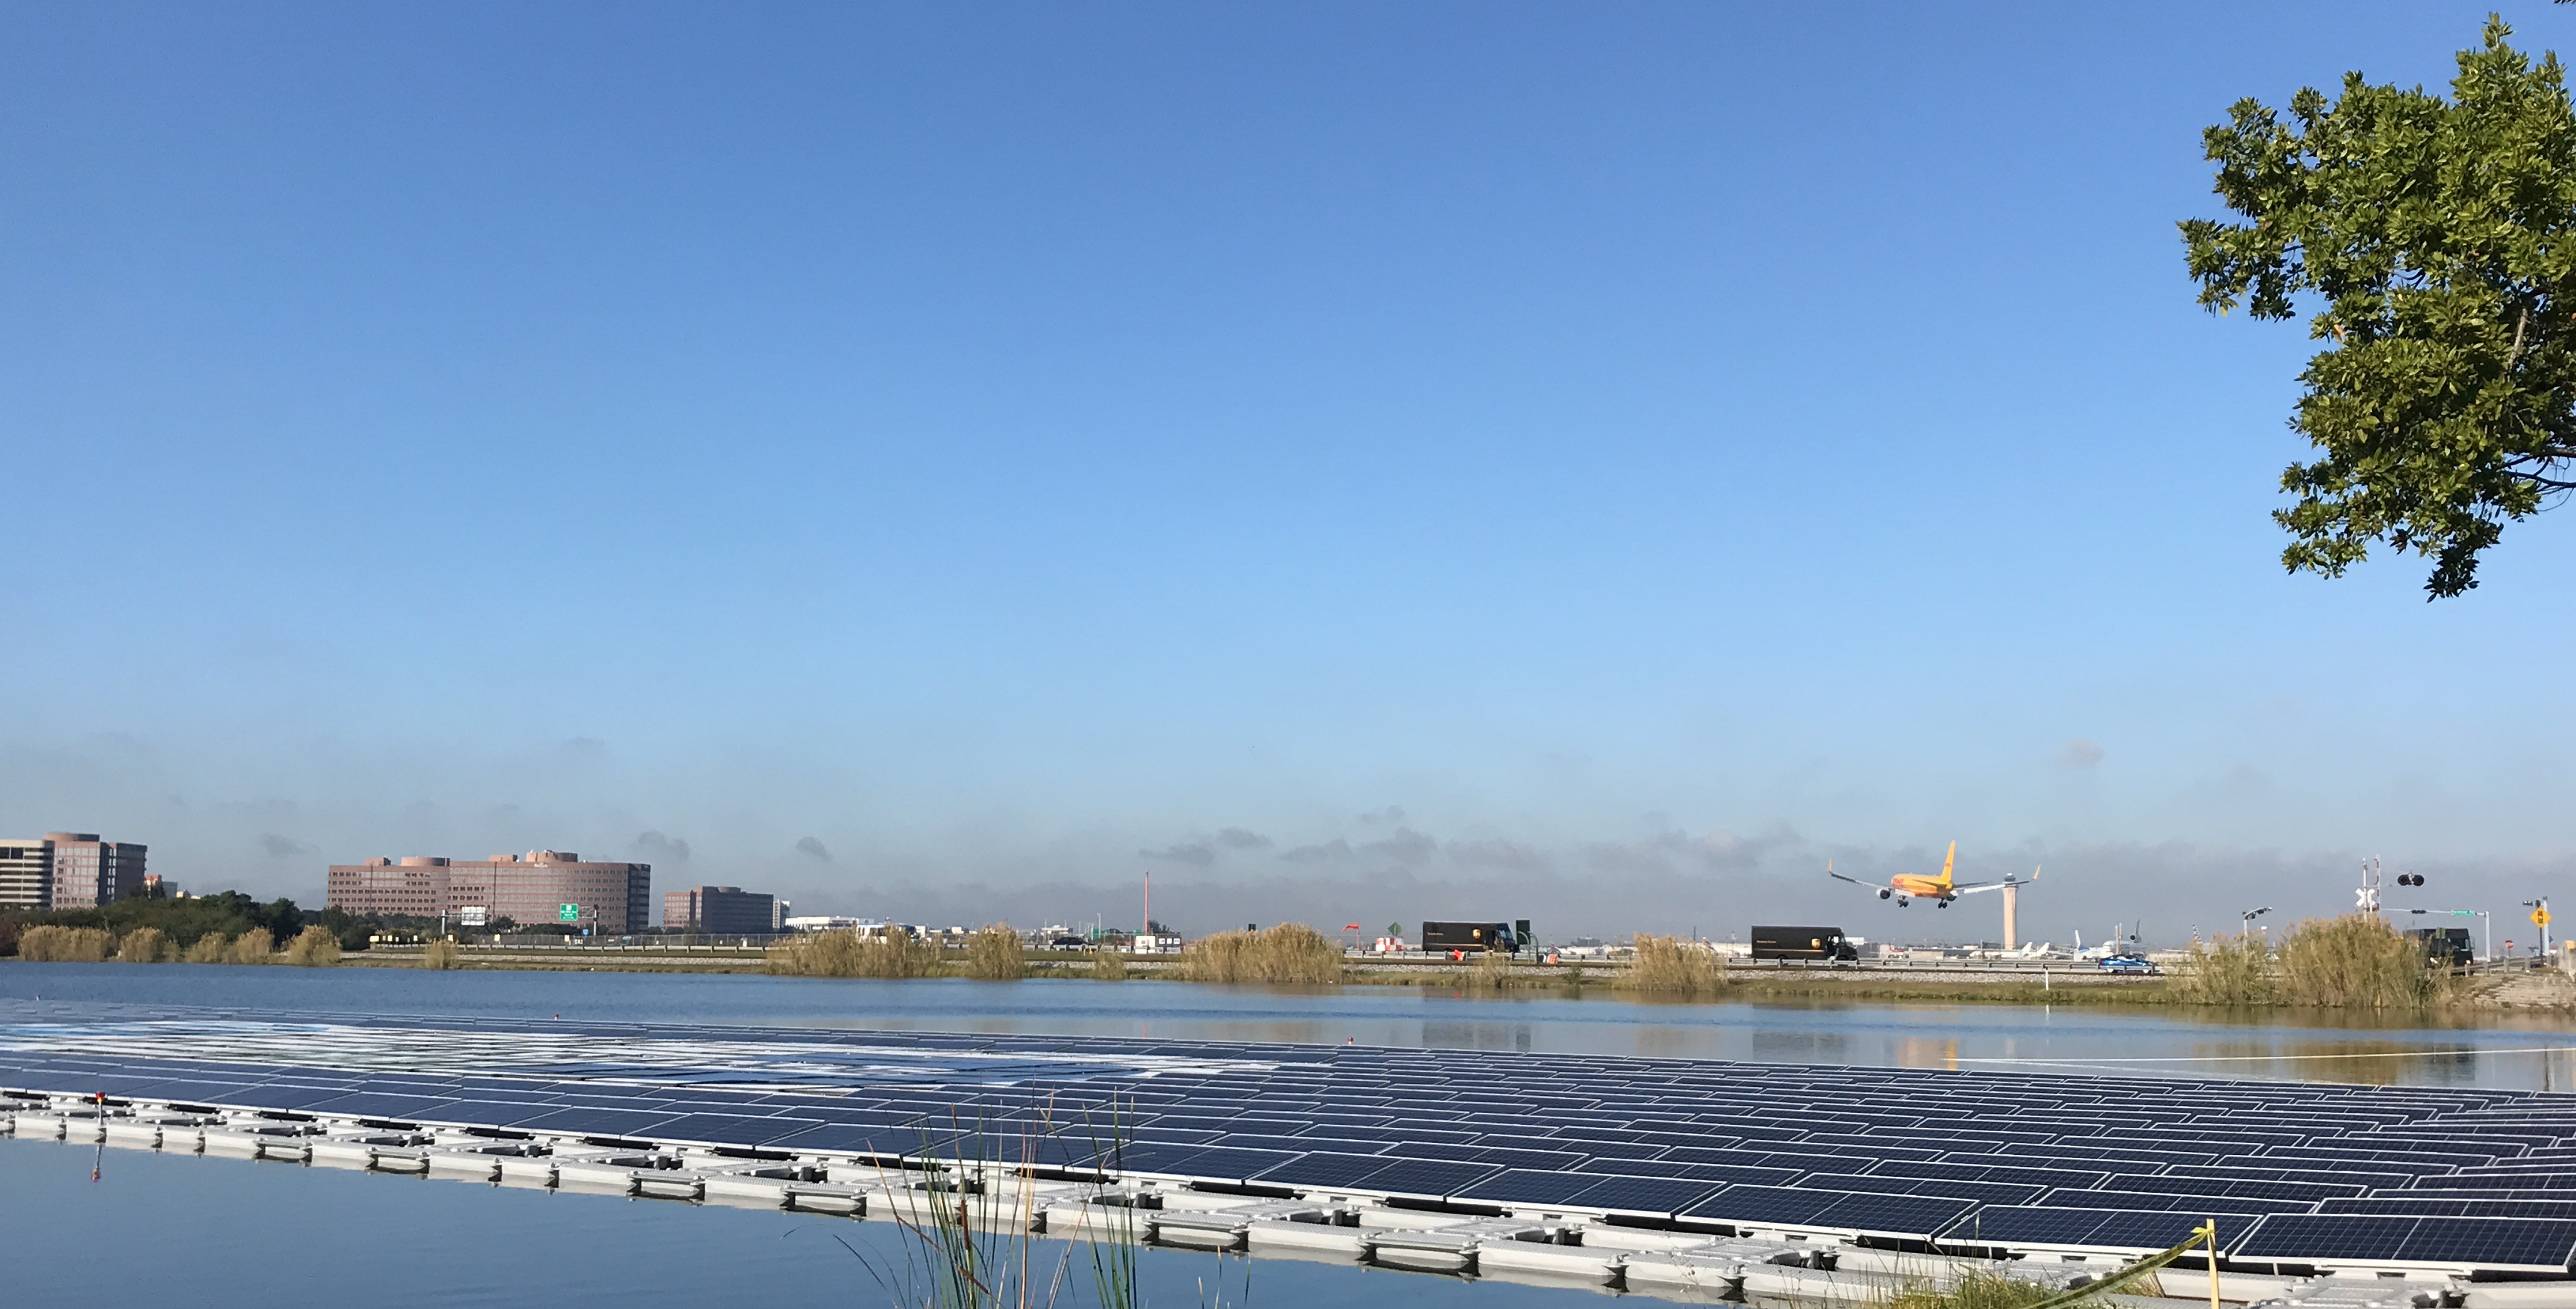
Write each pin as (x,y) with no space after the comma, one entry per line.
(1971,888)
(1829,872)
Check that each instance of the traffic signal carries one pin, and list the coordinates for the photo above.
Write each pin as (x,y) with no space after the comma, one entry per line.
(2410,879)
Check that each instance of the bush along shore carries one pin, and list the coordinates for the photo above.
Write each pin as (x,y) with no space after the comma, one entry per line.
(155,929)
(314,947)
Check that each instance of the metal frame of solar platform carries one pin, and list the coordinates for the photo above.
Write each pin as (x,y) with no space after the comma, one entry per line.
(2414,1183)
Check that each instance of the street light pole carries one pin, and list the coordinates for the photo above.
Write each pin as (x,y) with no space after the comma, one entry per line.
(2245,920)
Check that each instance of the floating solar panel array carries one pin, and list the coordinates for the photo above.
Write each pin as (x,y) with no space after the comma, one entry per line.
(2297,1174)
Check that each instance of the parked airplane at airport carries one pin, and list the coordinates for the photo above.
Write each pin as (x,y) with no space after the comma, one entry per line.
(1905,888)
(2123,941)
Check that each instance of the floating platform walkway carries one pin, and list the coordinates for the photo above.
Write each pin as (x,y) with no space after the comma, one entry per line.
(1666,1176)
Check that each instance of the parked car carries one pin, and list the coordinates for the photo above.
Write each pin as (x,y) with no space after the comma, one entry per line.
(2131,963)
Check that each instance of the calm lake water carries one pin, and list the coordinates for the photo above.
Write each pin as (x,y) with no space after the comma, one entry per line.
(2506,1050)
(224,1232)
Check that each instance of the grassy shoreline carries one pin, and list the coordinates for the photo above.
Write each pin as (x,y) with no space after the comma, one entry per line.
(2511,991)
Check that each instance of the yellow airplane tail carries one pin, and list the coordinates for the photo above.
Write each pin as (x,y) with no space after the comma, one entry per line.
(1949,861)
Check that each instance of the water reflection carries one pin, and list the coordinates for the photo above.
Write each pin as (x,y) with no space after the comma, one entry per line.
(1462,1035)
(1803,1047)
(1927,1052)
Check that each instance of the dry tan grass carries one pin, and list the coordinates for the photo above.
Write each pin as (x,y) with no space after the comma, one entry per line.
(1108,966)
(2359,962)
(255,946)
(847,954)
(1489,972)
(212,948)
(64,945)
(442,955)
(314,947)
(1670,966)
(995,954)
(144,945)
(1290,953)
(2354,962)
(1975,1291)
(2232,970)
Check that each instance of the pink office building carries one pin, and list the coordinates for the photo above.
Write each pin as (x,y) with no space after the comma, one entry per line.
(611,899)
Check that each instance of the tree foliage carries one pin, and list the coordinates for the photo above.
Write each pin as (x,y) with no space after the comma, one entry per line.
(2432,237)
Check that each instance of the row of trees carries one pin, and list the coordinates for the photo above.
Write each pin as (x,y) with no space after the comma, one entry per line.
(184,922)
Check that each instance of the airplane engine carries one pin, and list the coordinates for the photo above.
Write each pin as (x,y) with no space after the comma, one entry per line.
(1883,893)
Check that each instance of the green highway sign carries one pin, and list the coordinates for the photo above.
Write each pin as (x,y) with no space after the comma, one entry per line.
(568,913)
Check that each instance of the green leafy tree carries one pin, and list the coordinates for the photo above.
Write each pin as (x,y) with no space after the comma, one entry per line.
(2431,237)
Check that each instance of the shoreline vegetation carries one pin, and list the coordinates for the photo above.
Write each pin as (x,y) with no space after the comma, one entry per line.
(2350,963)
(314,947)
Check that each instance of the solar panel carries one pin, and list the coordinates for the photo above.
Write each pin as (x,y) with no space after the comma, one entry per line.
(2145,1231)
(1785,1205)
(2107,1199)
(729,1129)
(2451,1206)
(2538,1243)
(1655,1196)
(581,1121)
(1983,1192)
(1902,1215)
(1530,1186)
(1426,1177)
(1323,1169)
(2030,1225)
(2308,1238)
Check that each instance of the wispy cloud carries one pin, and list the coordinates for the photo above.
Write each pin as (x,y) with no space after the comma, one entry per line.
(1198,853)
(2080,753)
(660,849)
(1335,851)
(812,848)
(1406,846)
(283,847)
(1237,838)
(1497,853)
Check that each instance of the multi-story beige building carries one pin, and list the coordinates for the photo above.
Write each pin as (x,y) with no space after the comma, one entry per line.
(68,870)
(610,899)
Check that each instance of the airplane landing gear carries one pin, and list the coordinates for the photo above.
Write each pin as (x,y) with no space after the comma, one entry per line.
(1902,903)
(1943,903)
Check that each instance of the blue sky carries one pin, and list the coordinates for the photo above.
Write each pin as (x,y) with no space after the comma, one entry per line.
(1593,462)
